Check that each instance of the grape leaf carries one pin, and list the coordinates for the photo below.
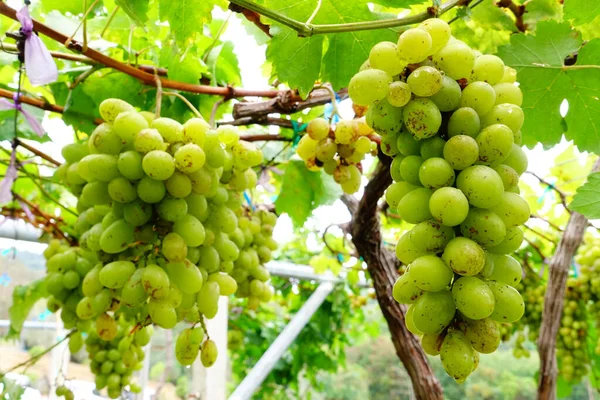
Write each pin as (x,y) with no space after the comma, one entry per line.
(587,199)
(136,9)
(74,7)
(117,85)
(185,17)
(546,82)
(302,191)
(80,109)
(24,298)
(581,11)
(223,64)
(24,130)
(187,67)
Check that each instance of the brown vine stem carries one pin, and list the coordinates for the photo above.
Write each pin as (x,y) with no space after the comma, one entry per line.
(49,220)
(518,11)
(144,77)
(37,152)
(554,301)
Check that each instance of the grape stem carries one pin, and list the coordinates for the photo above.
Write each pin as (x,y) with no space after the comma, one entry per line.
(110,19)
(332,95)
(186,101)
(38,153)
(33,359)
(561,194)
(307,29)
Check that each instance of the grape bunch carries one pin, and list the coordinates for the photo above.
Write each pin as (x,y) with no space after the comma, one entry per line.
(163,234)
(339,151)
(450,117)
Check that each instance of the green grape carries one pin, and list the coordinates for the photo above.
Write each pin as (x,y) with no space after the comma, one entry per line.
(517,160)
(413,207)
(179,185)
(488,68)
(482,186)
(395,168)
(208,299)
(104,140)
(509,303)
(512,209)
(449,206)
(346,132)
(169,129)
(363,145)
(483,226)
(455,59)
(422,118)
(369,86)
(223,218)
(130,165)
(448,97)
(74,152)
(414,45)
(353,183)
(106,327)
(91,283)
(162,313)
(107,367)
(425,81)
(473,297)
(147,140)
(188,344)
(431,343)
(495,143)
(128,124)
(227,285)
(409,321)
(116,237)
(185,275)
(432,147)
(430,236)
(464,121)
(307,148)
(318,129)
(85,309)
(102,301)
(509,76)
(133,293)
(189,158)
(479,96)
(114,275)
(483,335)
(464,256)
(384,118)
(509,177)
(384,56)
(98,167)
(143,336)
(407,145)
(429,273)
(409,169)
(396,192)
(150,190)
(96,193)
(75,342)
(440,33)
(461,152)
(433,311)
(174,247)
(247,153)
(399,94)
(405,290)
(507,114)
(111,108)
(512,241)
(121,190)
(194,131)
(457,356)
(209,258)
(172,209)
(158,165)
(156,281)
(197,206)
(506,270)
(228,134)
(73,178)
(435,173)
(508,93)
(208,353)
(137,213)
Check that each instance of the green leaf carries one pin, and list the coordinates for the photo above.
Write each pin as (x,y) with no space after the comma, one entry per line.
(24,298)
(546,83)
(587,199)
(581,11)
(100,87)
(302,191)
(187,67)
(185,17)
(136,9)
(223,64)
(80,109)
(74,7)
(24,130)
(322,263)
(400,3)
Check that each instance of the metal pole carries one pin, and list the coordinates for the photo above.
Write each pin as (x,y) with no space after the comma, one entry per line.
(144,372)
(266,363)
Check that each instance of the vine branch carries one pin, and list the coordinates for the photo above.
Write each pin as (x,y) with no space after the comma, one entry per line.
(518,11)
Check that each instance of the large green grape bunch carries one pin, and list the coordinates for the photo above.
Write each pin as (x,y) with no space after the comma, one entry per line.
(450,117)
(163,230)
(338,151)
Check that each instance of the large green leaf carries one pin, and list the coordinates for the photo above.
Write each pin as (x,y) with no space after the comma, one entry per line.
(187,67)
(581,11)
(302,191)
(185,17)
(100,87)
(80,109)
(24,130)
(223,64)
(24,298)
(546,82)
(136,9)
(587,199)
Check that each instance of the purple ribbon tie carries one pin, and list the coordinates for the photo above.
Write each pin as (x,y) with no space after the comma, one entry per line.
(33,122)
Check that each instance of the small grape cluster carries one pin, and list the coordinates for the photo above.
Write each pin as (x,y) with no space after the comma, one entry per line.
(163,234)
(339,151)
(450,117)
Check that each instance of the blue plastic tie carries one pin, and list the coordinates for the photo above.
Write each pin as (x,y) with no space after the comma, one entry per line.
(5,280)
(248,200)
(298,129)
